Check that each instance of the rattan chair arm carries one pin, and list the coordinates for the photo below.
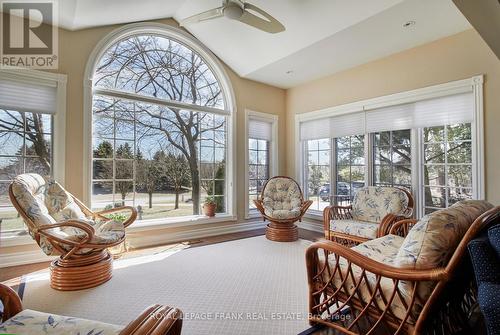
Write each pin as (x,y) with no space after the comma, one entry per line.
(10,301)
(128,222)
(260,206)
(88,229)
(156,320)
(373,266)
(402,227)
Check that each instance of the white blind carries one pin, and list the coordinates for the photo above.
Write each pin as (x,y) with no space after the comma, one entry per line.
(260,130)
(336,126)
(349,124)
(27,97)
(426,113)
(314,129)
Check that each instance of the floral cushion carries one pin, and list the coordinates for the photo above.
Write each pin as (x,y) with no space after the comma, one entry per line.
(282,198)
(373,203)
(431,241)
(356,228)
(383,249)
(29,322)
(47,202)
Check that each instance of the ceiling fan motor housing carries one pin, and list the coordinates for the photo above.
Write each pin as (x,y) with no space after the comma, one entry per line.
(233,11)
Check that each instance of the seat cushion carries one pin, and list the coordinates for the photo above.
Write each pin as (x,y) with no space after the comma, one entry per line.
(282,198)
(383,249)
(29,322)
(373,203)
(432,240)
(354,227)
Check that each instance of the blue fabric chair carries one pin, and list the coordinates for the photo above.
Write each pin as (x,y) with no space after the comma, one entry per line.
(485,255)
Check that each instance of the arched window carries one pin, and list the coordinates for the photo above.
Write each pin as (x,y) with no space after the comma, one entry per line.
(160,119)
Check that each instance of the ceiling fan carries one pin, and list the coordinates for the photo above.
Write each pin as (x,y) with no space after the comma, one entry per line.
(240,11)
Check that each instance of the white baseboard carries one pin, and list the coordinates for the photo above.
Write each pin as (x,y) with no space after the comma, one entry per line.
(37,256)
(310,226)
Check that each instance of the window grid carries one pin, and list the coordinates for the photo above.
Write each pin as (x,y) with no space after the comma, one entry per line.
(390,148)
(445,188)
(258,154)
(318,172)
(350,145)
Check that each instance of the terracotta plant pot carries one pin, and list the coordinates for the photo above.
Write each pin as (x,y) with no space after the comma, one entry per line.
(209,209)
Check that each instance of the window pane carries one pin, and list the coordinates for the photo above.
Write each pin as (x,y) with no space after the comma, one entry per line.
(124,169)
(102,148)
(435,197)
(434,175)
(392,156)
(11,143)
(459,152)
(252,144)
(25,147)
(102,195)
(460,131)
(10,167)
(434,153)
(401,155)
(434,134)
(382,155)
(324,157)
(458,194)
(402,174)
(103,169)
(460,176)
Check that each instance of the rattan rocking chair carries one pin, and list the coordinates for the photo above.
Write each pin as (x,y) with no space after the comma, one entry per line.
(79,236)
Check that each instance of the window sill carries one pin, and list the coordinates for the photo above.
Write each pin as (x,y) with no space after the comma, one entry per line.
(185,221)
(11,240)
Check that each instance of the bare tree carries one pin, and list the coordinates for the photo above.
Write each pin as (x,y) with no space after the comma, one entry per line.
(177,173)
(162,68)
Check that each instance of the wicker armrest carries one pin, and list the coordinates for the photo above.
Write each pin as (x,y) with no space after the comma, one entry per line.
(401,227)
(371,265)
(82,225)
(10,301)
(335,213)
(128,222)
(157,320)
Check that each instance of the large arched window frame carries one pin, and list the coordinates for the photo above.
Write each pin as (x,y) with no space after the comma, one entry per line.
(218,71)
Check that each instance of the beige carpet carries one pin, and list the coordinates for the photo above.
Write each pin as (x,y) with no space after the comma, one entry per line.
(247,286)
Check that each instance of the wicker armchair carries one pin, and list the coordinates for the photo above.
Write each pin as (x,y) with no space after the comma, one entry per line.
(373,212)
(156,319)
(63,226)
(400,285)
(283,204)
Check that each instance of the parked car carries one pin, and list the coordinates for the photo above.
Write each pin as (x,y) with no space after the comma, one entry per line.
(342,189)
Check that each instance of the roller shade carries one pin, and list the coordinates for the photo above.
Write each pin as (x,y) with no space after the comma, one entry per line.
(260,130)
(27,97)
(426,113)
(336,126)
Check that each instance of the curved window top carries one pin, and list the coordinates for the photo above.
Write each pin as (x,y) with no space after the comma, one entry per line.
(159,67)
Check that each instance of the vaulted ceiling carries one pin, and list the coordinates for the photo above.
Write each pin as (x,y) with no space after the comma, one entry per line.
(322,37)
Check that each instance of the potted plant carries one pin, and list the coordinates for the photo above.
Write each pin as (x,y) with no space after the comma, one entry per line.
(209,206)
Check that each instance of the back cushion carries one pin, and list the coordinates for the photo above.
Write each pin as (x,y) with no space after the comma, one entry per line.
(60,203)
(30,192)
(281,194)
(431,241)
(372,203)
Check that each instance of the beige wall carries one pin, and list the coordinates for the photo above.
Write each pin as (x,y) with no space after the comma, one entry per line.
(75,48)
(456,57)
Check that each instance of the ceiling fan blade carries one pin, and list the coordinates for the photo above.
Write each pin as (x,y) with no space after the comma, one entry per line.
(208,15)
(270,25)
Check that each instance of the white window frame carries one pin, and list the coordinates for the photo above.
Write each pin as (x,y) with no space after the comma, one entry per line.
(31,76)
(472,85)
(219,71)
(273,153)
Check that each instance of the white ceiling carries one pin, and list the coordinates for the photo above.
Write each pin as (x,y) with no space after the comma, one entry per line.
(322,36)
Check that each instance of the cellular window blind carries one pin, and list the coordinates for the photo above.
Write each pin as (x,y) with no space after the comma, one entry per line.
(335,126)
(27,97)
(260,130)
(450,109)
